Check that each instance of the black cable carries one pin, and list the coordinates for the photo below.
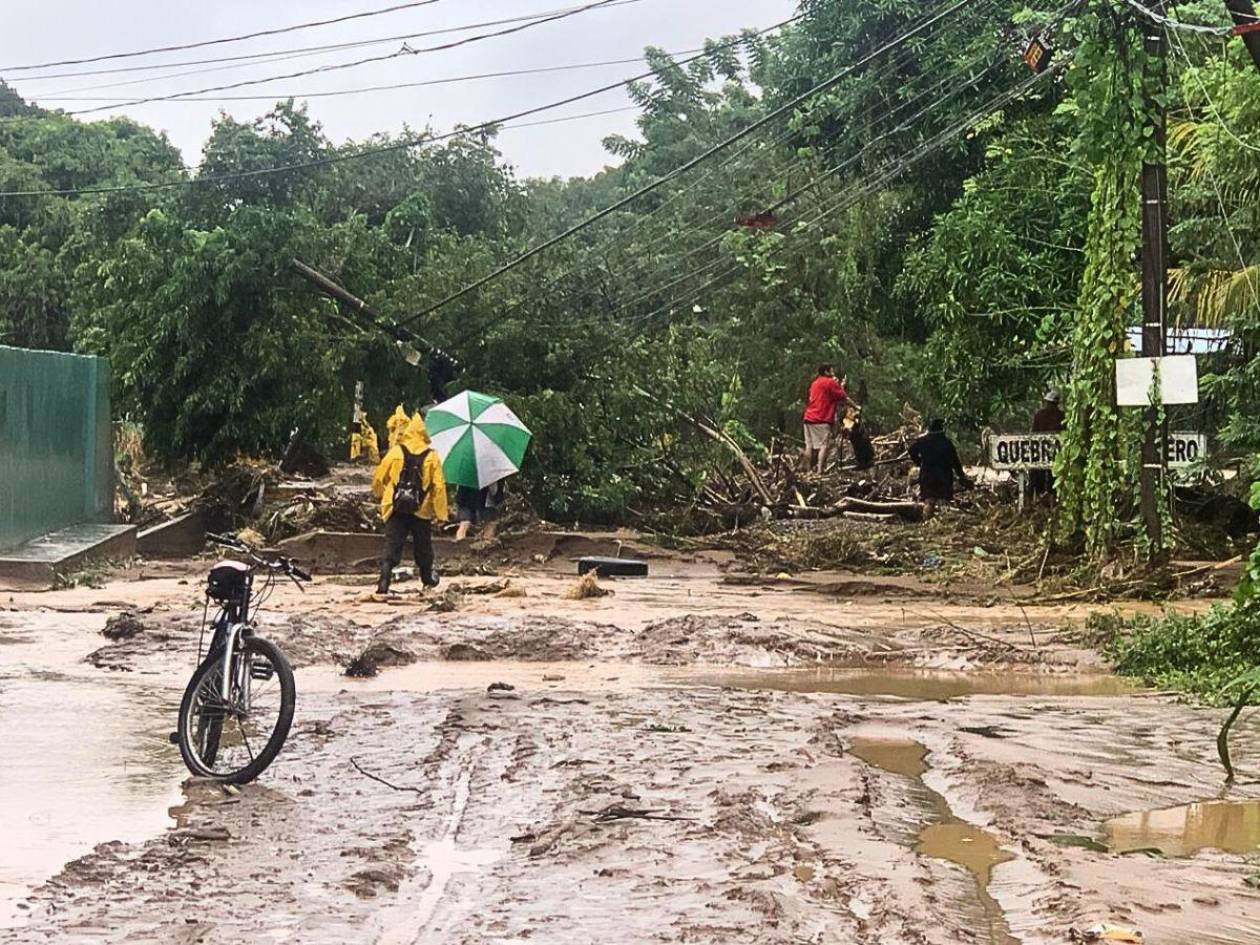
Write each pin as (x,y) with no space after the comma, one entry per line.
(335,67)
(386,148)
(852,195)
(274,96)
(218,42)
(933,85)
(1059,16)
(684,168)
(275,55)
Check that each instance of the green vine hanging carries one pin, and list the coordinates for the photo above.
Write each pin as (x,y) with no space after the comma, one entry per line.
(1099,462)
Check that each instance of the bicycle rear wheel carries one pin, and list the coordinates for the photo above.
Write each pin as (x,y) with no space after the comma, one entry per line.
(235,739)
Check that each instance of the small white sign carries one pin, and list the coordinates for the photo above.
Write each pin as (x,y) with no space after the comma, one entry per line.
(1178,380)
(1185,449)
(1023,450)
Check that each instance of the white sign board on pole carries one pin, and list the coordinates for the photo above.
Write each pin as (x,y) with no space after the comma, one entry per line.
(1178,380)
(1024,451)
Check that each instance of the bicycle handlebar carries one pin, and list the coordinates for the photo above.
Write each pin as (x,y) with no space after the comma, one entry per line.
(281,563)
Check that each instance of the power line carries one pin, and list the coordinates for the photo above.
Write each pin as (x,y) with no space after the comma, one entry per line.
(1169,23)
(377,88)
(646,220)
(405,144)
(833,171)
(275,55)
(219,42)
(1216,185)
(932,86)
(868,146)
(334,67)
(852,195)
(716,149)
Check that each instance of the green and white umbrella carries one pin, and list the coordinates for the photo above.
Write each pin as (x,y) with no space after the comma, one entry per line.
(479,439)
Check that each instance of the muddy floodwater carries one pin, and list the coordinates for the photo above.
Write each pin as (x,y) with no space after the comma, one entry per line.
(85,756)
(1230,826)
(685,760)
(943,836)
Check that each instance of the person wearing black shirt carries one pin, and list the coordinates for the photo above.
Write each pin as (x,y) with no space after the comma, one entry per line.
(1048,419)
(938,462)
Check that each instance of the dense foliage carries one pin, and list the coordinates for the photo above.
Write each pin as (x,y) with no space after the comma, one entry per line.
(929,236)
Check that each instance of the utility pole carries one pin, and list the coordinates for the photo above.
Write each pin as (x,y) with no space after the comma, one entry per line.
(1155,275)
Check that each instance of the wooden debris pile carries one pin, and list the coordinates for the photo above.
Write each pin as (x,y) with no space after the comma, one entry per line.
(778,487)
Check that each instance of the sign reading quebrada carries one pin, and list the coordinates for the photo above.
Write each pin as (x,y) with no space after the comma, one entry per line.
(1038,450)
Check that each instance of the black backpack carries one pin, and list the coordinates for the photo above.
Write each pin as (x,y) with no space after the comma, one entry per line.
(410,492)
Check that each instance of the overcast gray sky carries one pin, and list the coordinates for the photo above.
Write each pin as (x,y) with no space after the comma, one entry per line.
(38,31)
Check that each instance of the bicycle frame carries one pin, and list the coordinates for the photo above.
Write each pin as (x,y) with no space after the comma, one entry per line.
(231,623)
(230,639)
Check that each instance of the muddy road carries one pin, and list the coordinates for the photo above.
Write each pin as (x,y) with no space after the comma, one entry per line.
(698,758)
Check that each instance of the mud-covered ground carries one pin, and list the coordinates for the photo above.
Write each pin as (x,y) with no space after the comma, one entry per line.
(681,761)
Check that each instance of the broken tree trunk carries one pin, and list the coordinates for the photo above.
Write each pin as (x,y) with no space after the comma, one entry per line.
(741,457)
(909,511)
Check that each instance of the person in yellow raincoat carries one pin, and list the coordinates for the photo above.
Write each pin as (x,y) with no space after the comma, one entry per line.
(396,425)
(410,473)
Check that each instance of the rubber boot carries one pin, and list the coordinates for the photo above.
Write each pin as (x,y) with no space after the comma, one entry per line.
(387,575)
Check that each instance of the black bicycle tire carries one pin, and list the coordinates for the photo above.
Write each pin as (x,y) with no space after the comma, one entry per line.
(288,702)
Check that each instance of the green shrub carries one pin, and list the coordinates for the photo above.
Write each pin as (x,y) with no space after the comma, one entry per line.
(1205,654)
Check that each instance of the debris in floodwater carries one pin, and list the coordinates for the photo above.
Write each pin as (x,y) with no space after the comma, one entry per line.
(587,587)
(378,654)
(804,873)
(1076,840)
(1230,826)
(123,626)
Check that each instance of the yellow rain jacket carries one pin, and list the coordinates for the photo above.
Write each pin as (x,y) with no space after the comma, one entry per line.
(363,442)
(397,425)
(416,439)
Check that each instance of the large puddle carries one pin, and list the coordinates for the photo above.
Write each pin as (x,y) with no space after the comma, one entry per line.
(1229,826)
(85,759)
(923,685)
(940,834)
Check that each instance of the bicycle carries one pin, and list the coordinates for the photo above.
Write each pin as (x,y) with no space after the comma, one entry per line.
(238,707)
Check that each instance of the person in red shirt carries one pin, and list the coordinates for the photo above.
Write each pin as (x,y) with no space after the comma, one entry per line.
(826,394)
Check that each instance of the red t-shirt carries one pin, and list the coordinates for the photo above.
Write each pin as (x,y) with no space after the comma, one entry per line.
(825,394)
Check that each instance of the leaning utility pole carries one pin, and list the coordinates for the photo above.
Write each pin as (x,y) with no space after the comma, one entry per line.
(1155,274)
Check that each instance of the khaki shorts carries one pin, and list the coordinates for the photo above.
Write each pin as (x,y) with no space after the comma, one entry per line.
(817,436)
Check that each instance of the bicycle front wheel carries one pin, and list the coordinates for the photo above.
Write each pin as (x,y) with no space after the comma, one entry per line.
(234,737)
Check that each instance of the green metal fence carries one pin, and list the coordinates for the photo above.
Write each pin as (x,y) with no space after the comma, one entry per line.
(56,444)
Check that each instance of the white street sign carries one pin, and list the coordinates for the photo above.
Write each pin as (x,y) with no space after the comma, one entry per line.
(1025,451)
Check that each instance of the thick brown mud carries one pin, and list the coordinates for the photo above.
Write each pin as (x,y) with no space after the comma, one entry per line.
(684,761)
(943,836)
